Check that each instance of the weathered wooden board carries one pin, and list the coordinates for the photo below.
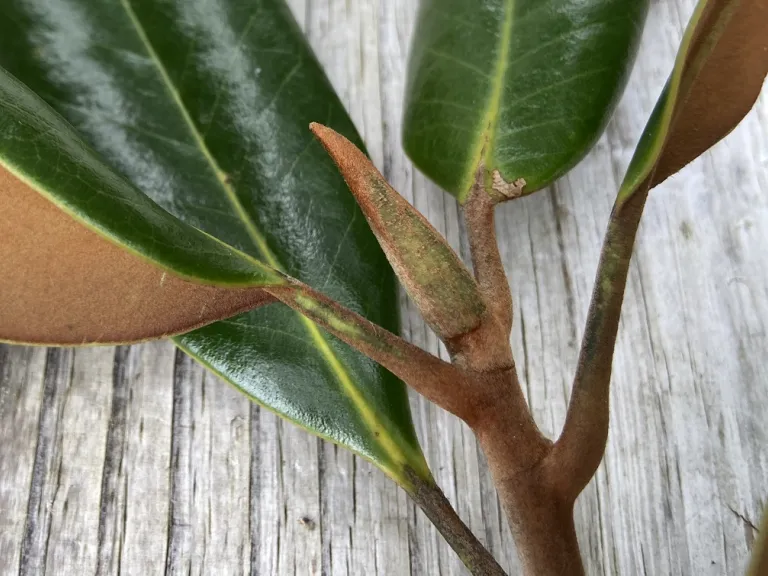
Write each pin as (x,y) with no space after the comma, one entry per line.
(134,461)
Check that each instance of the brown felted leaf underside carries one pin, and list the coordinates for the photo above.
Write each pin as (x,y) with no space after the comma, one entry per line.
(725,71)
(63,284)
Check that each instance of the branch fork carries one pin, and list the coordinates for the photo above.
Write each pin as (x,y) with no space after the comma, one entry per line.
(537,480)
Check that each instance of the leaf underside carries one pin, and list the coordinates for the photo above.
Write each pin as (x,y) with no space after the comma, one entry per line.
(718,75)
(524,87)
(205,107)
(92,291)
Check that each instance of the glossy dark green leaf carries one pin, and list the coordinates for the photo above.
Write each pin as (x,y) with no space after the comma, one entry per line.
(85,256)
(524,87)
(42,150)
(205,106)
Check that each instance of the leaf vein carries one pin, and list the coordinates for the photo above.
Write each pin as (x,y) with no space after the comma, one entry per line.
(460,62)
(549,87)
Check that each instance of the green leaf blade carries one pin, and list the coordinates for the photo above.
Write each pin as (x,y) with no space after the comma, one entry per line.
(206,107)
(520,86)
(41,149)
(278,375)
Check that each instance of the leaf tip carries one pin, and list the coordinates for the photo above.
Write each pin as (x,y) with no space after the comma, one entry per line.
(338,146)
(317,128)
(353,164)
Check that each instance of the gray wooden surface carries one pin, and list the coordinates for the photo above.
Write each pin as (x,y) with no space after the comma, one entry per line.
(134,461)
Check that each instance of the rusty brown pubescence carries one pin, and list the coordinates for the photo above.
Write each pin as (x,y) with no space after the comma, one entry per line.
(431,272)
(95,292)
(473,317)
(724,72)
(64,284)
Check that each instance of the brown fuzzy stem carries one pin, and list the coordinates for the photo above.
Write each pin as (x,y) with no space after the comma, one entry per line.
(542,527)
(486,259)
(438,509)
(535,495)
(436,380)
(537,482)
(486,347)
(581,445)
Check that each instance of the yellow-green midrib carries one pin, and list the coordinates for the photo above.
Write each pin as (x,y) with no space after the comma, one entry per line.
(366,412)
(482,148)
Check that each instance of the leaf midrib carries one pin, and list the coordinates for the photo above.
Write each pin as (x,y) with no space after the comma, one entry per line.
(369,418)
(482,150)
(256,236)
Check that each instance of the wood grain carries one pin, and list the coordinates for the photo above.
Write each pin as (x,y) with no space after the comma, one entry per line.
(136,461)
